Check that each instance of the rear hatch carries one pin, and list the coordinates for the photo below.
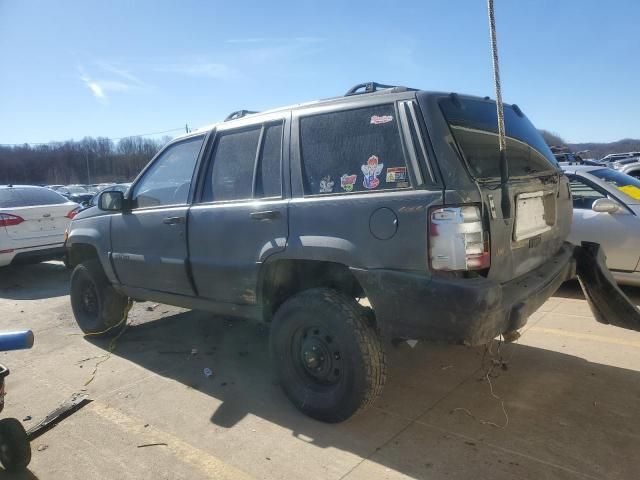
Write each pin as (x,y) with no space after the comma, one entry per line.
(540,215)
(38,215)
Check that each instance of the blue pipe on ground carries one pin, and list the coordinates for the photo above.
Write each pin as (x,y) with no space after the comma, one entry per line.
(16,340)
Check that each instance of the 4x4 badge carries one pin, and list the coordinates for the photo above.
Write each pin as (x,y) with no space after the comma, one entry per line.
(326,184)
(348,181)
(371,171)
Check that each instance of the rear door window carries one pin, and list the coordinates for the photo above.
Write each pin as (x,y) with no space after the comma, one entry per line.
(474,124)
(230,174)
(269,173)
(353,151)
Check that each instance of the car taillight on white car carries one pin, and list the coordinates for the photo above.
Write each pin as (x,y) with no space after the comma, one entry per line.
(8,220)
(457,239)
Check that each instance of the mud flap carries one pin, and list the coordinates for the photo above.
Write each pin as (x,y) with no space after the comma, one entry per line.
(608,302)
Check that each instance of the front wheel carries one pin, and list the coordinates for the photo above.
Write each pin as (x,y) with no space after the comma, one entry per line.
(327,355)
(99,310)
(15,450)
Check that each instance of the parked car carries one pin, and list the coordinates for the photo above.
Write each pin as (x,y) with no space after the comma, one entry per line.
(32,224)
(76,193)
(630,166)
(293,215)
(606,210)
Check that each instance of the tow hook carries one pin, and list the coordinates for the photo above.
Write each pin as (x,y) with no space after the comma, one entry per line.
(609,304)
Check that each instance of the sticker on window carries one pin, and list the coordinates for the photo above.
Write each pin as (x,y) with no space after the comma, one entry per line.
(347,182)
(326,184)
(396,174)
(380,119)
(631,190)
(371,171)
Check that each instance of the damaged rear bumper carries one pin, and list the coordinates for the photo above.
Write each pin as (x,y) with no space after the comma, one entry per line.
(474,311)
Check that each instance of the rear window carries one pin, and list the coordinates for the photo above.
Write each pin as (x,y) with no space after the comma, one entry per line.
(353,151)
(29,197)
(474,124)
(623,182)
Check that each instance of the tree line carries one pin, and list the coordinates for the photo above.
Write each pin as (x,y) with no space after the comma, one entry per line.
(90,160)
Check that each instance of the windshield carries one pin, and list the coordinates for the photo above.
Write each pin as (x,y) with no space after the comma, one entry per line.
(623,182)
(474,126)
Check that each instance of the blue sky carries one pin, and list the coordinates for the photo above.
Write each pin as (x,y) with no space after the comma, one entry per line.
(117,68)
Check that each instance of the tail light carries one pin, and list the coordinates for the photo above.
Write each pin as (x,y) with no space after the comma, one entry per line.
(457,239)
(72,214)
(8,220)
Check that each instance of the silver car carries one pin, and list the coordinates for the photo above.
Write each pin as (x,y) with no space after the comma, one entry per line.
(606,209)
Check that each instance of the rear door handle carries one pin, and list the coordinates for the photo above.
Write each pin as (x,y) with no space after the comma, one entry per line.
(266,215)
(173,220)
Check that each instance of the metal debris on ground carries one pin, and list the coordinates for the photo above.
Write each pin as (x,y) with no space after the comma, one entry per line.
(28,417)
(151,308)
(72,405)
(208,372)
(43,447)
(412,343)
(160,444)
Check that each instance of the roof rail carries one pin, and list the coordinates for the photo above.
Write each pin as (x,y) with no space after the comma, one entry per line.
(370,87)
(238,114)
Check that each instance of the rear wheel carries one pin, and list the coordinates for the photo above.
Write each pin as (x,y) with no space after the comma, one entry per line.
(15,450)
(99,310)
(327,354)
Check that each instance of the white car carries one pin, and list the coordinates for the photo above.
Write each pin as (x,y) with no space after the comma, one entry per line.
(606,210)
(32,224)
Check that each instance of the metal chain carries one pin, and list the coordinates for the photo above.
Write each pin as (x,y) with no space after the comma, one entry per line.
(496,77)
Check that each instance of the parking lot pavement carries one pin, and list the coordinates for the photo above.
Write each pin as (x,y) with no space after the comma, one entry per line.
(570,388)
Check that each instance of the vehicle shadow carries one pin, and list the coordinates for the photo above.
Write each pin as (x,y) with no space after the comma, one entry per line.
(572,289)
(563,410)
(34,281)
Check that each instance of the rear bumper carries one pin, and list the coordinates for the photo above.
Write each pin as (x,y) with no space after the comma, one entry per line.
(32,255)
(470,311)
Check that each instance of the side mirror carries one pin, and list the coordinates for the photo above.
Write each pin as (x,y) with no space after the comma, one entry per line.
(111,201)
(605,205)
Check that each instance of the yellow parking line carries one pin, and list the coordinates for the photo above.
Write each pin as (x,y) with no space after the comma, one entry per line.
(187,453)
(586,336)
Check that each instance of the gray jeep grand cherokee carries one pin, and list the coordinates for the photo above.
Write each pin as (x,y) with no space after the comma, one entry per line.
(295,216)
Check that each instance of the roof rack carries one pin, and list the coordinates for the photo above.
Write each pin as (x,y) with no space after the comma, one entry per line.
(238,114)
(370,87)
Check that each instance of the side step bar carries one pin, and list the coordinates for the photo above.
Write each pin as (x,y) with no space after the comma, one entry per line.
(609,304)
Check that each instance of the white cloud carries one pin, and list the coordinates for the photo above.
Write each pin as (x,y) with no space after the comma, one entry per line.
(101,86)
(199,68)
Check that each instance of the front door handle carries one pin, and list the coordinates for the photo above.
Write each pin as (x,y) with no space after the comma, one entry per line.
(266,215)
(173,220)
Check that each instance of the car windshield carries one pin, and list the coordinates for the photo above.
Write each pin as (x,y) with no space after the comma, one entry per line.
(474,126)
(623,182)
(76,189)
(29,197)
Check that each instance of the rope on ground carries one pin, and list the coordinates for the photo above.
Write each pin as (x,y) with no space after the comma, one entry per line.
(114,341)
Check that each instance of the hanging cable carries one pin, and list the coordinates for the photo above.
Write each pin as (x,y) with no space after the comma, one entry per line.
(502,140)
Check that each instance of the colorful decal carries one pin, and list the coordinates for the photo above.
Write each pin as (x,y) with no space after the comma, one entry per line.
(326,185)
(397,174)
(371,171)
(631,190)
(347,182)
(380,119)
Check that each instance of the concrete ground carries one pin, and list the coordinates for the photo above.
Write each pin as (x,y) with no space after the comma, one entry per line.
(571,390)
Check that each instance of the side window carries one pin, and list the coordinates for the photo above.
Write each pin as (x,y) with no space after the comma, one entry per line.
(583,194)
(168,180)
(230,173)
(269,176)
(353,151)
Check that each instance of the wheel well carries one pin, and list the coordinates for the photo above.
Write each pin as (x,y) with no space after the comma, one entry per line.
(283,278)
(81,253)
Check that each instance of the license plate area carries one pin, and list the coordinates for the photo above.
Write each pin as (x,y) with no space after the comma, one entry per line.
(535,214)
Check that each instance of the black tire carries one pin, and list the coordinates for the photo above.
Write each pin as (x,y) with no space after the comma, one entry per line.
(15,449)
(345,371)
(97,307)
